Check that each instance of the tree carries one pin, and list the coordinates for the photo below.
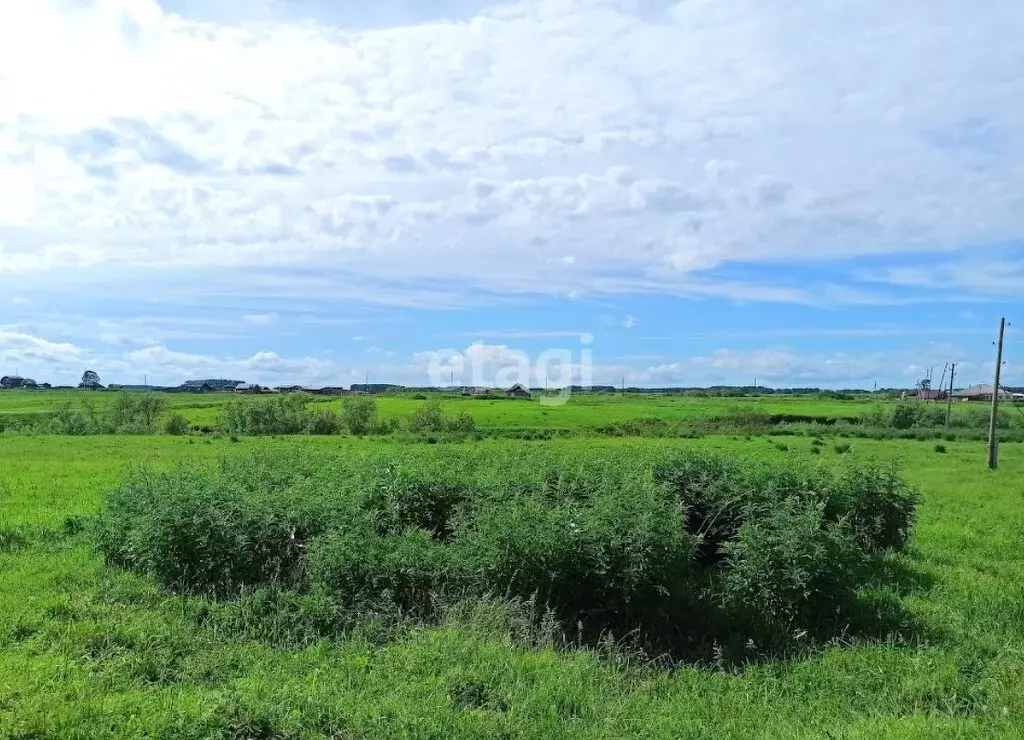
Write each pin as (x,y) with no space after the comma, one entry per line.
(90,379)
(925,384)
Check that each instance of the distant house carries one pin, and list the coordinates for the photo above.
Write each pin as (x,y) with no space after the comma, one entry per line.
(209,385)
(518,391)
(932,395)
(983,392)
(476,391)
(254,388)
(9,382)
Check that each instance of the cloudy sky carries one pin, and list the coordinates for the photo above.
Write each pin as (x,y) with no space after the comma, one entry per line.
(809,192)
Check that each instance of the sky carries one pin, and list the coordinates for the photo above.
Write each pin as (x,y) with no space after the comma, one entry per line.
(793,192)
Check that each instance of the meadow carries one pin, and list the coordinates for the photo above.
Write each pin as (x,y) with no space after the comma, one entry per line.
(581,412)
(90,649)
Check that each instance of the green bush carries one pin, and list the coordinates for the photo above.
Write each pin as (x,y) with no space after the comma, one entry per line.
(398,501)
(621,556)
(874,500)
(941,449)
(683,551)
(362,570)
(842,448)
(323,422)
(135,413)
(283,414)
(359,415)
(430,417)
(790,569)
(176,425)
(197,532)
(66,419)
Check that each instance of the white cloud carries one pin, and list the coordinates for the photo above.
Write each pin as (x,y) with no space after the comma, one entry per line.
(493,364)
(493,152)
(629,322)
(260,319)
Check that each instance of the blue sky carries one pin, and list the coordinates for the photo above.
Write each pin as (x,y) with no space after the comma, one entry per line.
(805,192)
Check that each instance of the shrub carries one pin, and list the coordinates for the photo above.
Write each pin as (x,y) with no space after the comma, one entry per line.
(323,421)
(398,501)
(815,450)
(706,486)
(941,449)
(284,414)
(428,417)
(694,549)
(782,446)
(362,570)
(877,504)
(386,426)
(76,422)
(842,448)
(359,415)
(790,569)
(176,425)
(904,416)
(431,417)
(619,557)
(135,413)
(202,533)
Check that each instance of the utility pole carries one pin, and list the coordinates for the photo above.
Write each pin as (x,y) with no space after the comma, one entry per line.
(993,443)
(942,382)
(949,398)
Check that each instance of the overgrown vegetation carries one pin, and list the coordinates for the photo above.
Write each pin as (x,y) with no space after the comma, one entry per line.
(94,651)
(443,418)
(696,551)
(130,413)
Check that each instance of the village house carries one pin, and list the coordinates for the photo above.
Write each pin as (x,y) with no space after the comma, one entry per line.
(518,391)
(983,392)
(9,382)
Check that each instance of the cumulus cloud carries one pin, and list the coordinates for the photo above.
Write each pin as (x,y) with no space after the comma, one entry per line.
(550,146)
(576,360)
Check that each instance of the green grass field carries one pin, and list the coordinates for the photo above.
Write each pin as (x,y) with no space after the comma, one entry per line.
(581,411)
(92,652)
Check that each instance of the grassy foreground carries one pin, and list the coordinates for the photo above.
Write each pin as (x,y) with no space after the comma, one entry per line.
(90,652)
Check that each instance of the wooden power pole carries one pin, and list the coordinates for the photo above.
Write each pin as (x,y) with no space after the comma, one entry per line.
(949,397)
(993,443)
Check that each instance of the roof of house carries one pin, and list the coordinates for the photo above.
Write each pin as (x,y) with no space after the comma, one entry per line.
(981,389)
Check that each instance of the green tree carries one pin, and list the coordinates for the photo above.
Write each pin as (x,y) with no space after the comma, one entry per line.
(90,379)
